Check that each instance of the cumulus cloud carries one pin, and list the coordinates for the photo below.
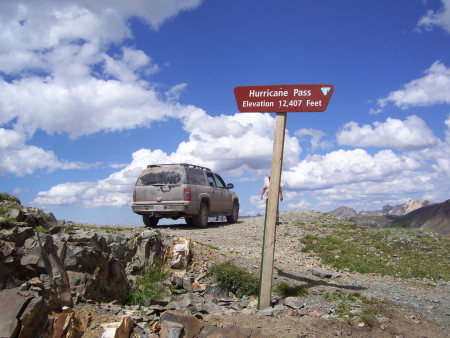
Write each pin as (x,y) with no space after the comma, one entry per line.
(411,134)
(439,155)
(20,159)
(440,18)
(369,195)
(300,205)
(60,75)
(126,68)
(316,136)
(43,25)
(81,109)
(346,167)
(216,142)
(366,181)
(433,88)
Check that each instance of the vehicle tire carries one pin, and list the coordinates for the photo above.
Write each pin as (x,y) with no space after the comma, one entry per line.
(150,222)
(233,218)
(201,220)
(189,221)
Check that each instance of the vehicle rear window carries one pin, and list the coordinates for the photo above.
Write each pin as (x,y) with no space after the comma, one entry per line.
(162,177)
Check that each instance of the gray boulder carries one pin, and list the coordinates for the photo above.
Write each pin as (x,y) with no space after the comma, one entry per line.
(23,314)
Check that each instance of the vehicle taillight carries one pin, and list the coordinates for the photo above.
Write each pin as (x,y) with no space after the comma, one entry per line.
(187,194)
(134,195)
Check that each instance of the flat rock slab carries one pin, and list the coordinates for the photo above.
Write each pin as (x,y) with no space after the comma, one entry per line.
(322,273)
(12,304)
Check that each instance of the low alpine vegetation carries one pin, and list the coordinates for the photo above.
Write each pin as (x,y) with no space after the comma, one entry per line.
(236,280)
(404,253)
(8,197)
(286,290)
(150,285)
(353,306)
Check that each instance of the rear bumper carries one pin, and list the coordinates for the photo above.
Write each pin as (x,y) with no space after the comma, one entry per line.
(163,210)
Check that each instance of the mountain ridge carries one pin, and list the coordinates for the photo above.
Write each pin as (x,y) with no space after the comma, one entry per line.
(413,214)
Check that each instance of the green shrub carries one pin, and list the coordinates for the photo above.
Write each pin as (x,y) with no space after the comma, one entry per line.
(41,229)
(285,290)
(150,285)
(231,278)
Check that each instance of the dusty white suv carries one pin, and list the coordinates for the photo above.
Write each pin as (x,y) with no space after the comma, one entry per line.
(183,190)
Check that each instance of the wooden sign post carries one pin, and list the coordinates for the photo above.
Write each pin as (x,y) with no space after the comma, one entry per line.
(279,99)
(271,213)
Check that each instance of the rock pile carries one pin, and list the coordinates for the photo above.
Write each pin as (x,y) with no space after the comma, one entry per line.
(46,267)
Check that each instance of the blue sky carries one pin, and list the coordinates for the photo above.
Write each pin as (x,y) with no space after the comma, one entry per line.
(92,92)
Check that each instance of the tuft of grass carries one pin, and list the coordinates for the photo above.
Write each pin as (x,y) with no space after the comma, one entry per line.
(103,227)
(150,285)
(41,229)
(286,290)
(347,302)
(231,278)
(342,296)
(368,316)
(8,197)
(212,247)
(404,253)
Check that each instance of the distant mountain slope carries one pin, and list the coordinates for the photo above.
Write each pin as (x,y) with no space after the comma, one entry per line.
(435,217)
(412,205)
(414,214)
(344,212)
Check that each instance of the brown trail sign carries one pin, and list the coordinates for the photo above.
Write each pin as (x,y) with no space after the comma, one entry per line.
(285,98)
(280,100)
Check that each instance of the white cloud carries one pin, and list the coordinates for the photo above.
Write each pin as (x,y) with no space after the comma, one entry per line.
(371,195)
(20,159)
(67,43)
(257,202)
(411,134)
(367,182)
(64,80)
(230,142)
(335,178)
(300,205)
(81,109)
(433,88)
(42,25)
(439,18)
(316,136)
(63,194)
(126,68)
(345,167)
(226,144)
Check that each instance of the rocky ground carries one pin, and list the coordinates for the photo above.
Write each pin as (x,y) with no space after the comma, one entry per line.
(407,308)
(98,261)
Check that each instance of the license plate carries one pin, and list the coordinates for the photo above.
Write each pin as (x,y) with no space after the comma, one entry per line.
(158,207)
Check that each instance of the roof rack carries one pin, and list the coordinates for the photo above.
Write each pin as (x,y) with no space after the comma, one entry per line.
(178,164)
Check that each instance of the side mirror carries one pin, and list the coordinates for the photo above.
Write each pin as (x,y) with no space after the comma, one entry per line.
(230,186)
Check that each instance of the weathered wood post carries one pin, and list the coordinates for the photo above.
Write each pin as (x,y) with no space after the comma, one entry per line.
(271,214)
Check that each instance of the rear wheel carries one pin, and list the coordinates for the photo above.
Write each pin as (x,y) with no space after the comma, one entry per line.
(234,213)
(189,221)
(150,222)
(201,220)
